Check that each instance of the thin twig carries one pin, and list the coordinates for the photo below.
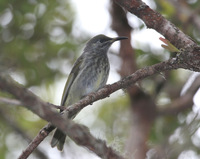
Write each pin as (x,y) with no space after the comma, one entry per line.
(44,132)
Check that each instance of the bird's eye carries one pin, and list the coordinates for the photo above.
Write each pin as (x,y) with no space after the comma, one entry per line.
(102,40)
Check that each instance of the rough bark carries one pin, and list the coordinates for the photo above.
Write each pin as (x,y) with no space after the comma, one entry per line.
(190,56)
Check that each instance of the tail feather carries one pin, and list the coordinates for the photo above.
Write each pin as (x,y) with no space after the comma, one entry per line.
(58,139)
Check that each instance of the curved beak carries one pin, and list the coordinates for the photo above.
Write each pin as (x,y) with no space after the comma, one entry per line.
(119,38)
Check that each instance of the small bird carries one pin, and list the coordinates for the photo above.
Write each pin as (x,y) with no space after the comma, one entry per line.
(89,73)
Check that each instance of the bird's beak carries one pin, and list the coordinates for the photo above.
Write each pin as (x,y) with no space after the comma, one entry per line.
(119,38)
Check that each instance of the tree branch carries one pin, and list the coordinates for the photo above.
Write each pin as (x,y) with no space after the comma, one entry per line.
(123,84)
(44,132)
(79,133)
(154,20)
(84,138)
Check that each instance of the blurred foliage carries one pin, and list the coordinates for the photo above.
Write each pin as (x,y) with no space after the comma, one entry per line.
(115,118)
(35,36)
(36,41)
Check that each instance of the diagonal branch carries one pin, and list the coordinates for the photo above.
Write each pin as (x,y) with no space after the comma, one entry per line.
(44,132)
(123,84)
(79,133)
(156,21)
(83,138)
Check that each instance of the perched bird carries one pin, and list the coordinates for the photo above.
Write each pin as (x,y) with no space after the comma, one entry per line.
(89,73)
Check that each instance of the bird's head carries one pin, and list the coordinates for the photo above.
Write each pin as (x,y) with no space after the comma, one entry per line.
(101,43)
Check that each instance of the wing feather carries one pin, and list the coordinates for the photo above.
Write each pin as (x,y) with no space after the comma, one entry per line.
(73,74)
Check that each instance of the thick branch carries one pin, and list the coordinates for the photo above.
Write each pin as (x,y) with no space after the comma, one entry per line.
(79,133)
(154,20)
(33,103)
(43,110)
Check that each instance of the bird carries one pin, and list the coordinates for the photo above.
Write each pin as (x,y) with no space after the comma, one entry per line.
(89,73)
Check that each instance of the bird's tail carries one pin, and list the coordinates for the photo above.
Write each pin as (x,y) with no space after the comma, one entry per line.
(58,139)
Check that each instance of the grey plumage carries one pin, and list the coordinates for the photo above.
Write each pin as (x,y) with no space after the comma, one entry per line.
(89,73)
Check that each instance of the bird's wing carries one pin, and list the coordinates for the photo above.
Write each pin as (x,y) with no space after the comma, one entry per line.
(73,74)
